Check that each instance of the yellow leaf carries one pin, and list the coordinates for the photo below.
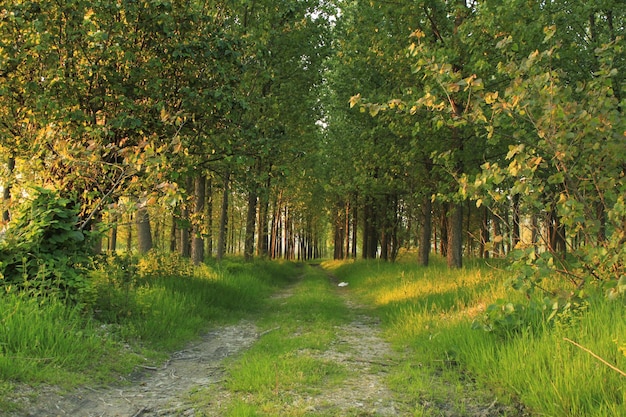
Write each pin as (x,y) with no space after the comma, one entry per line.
(354,100)
(491,98)
(504,42)
(164,115)
(490,132)
(396,103)
(513,150)
(453,87)
(549,31)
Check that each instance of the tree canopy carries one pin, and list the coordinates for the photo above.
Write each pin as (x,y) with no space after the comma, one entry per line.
(283,129)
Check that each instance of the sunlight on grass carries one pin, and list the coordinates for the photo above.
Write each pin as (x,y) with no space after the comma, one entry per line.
(416,300)
(430,311)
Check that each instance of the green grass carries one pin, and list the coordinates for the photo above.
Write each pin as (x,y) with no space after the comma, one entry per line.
(136,312)
(45,341)
(283,364)
(142,310)
(430,311)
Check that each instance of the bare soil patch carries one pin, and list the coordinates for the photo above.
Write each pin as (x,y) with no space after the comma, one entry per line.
(361,350)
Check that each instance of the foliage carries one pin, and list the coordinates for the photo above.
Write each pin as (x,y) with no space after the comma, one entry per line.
(568,164)
(44,250)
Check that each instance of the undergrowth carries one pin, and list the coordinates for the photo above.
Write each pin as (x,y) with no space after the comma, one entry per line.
(439,315)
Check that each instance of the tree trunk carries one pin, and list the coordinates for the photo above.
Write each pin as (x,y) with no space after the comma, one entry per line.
(556,231)
(209,217)
(370,234)
(347,228)
(384,237)
(173,231)
(6,192)
(535,233)
(395,239)
(112,239)
(221,240)
(426,221)
(185,240)
(112,246)
(443,229)
(366,229)
(197,245)
(144,232)
(516,233)
(355,218)
(263,245)
(484,233)
(289,237)
(273,249)
(601,216)
(129,234)
(339,236)
(455,236)
(497,233)
(250,225)
(469,241)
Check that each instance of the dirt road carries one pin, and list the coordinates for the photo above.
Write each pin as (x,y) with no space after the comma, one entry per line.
(167,390)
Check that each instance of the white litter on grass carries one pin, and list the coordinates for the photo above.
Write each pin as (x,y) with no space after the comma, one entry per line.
(342,284)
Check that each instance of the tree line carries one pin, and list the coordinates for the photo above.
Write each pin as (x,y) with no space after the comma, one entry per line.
(285,128)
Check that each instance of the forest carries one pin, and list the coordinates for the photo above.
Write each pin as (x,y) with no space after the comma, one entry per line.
(302,130)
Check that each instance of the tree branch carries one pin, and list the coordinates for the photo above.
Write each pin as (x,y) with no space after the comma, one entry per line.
(616,369)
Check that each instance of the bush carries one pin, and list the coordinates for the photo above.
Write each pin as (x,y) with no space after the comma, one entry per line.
(44,252)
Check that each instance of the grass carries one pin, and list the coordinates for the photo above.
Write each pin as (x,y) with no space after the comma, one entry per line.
(430,311)
(284,364)
(140,311)
(137,311)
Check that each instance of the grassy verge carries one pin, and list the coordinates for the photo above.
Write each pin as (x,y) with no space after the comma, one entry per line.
(282,366)
(430,311)
(137,312)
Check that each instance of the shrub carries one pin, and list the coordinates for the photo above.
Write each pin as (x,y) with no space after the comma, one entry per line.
(44,252)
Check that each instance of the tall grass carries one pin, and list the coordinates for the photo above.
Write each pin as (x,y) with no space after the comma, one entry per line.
(137,310)
(431,310)
(47,341)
